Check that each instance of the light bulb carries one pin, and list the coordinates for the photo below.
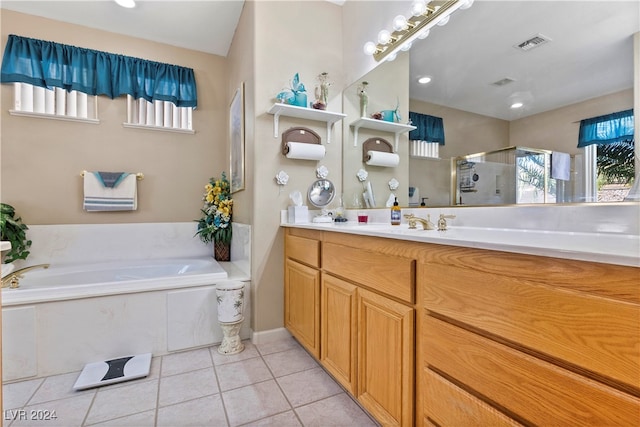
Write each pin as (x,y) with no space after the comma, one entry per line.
(400,23)
(384,37)
(418,7)
(466,4)
(126,3)
(423,35)
(370,48)
(405,47)
(392,56)
(444,21)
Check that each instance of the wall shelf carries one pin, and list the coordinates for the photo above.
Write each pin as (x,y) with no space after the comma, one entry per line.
(279,109)
(379,125)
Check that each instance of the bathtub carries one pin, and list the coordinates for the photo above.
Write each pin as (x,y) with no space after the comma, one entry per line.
(68,315)
(85,280)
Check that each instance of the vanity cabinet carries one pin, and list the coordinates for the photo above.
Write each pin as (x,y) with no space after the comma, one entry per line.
(511,339)
(302,288)
(367,318)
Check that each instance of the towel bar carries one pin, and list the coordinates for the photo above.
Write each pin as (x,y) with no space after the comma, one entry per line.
(139,175)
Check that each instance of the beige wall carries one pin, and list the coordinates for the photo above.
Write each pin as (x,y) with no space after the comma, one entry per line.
(41,159)
(289,37)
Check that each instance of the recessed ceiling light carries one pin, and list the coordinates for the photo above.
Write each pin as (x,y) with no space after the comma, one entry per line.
(424,80)
(126,3)
(517,105)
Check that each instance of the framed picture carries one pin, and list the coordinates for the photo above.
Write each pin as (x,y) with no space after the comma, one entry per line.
(236,138)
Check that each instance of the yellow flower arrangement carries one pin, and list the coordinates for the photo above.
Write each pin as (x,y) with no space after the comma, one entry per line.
(215,224)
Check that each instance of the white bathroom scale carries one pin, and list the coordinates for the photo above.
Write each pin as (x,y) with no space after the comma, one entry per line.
(113,371)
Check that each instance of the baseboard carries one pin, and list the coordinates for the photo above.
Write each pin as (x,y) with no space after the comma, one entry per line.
(270,336)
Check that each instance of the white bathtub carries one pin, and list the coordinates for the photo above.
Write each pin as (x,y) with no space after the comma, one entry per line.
(85,280)
(66,316)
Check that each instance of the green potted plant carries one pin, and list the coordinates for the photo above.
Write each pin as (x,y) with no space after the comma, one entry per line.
(13,230)
(215,223)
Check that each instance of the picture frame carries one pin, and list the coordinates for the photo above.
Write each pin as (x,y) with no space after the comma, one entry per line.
(236,140)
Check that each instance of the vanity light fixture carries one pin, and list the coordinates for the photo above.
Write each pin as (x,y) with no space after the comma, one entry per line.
(406,30)
(126,3)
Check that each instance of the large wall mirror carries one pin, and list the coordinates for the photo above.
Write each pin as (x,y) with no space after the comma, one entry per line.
(578,64)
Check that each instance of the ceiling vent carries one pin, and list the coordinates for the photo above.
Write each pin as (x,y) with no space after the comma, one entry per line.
(503,82)
(533,42)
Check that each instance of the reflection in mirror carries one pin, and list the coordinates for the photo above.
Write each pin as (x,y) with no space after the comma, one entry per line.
(583,68)
(321,193)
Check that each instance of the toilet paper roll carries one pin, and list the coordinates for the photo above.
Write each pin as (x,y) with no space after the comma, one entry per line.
(300,150)
(379,158)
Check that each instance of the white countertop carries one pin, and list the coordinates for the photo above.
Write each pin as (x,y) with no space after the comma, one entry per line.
(609,248)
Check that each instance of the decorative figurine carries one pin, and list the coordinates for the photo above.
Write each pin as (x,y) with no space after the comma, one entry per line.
(322,92)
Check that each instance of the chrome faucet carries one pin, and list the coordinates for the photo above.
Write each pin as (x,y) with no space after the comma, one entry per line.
(426,223)
(12,280)
(442,221)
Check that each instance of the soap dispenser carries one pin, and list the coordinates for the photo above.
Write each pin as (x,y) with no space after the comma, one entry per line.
(396,213)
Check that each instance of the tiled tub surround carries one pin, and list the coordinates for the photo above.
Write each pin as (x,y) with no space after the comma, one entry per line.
(275,383)
(608,233)
(60,330)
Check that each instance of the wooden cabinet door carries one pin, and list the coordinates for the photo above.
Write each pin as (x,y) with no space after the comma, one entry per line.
(338,330)
(385,358)
(302,304)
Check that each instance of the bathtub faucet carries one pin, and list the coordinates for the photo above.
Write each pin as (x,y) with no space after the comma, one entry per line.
(12,280)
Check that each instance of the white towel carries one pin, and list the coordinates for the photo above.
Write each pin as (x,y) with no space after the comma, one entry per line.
(560,166)
(98,198)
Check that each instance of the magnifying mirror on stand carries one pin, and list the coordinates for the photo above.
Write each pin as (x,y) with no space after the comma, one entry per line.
(320,194)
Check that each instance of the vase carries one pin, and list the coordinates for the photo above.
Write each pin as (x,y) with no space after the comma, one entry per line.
(300,99)
(222,251)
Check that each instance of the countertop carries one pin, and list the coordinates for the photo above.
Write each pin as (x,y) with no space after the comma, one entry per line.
(609,248)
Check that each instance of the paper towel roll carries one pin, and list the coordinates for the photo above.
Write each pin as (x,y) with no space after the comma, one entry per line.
(300,150)
(379,158)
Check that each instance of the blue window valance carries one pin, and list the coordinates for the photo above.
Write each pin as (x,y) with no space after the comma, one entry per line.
(429,128)
(606,129)
(48,64)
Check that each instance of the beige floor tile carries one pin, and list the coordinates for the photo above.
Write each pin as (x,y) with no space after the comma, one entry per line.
(278,345)
(16,395)
(254,402)
(67,412)
(287,419)
(143,419)
(206,411)
(187,386)
(250,351)
(240,374)
(177,363)
(308,386)
(122,401)
(337,410)
(289,361)
(58,387)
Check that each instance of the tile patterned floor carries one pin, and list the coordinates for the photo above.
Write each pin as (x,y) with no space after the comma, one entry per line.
(274,384)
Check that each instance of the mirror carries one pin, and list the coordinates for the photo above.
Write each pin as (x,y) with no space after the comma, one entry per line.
(321,193)
(581,67)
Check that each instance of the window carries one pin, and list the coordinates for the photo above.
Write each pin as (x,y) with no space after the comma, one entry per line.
(608,143)
(159,115)
(428,135)
(54,103)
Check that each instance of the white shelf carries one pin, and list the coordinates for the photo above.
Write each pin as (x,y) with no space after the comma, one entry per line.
(379,125)
(5,245)
(329,117)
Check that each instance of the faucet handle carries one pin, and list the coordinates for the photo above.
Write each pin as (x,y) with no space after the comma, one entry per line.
(442,222)
(411,219)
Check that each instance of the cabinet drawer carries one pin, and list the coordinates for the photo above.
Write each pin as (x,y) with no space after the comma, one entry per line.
(449,405)
(302,249)
(389,274)
(600,335)
(533,390)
